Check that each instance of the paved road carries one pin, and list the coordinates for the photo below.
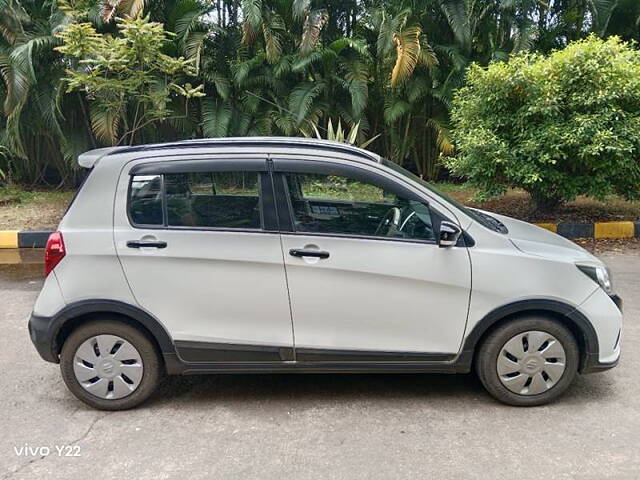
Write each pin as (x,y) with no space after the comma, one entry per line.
(303,426)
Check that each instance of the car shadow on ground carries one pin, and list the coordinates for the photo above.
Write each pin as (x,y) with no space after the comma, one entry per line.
(312,390)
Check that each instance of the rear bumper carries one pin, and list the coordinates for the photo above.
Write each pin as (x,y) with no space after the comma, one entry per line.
(42,337)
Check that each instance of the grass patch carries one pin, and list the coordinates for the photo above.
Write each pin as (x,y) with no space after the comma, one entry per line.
(32,210)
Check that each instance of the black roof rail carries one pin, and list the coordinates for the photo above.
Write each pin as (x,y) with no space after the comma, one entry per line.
(286,142)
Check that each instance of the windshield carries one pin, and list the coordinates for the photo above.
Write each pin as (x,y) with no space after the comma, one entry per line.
(482,218)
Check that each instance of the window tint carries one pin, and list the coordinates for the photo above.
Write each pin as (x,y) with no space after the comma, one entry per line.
(145,200)
(213,199)
(341,205)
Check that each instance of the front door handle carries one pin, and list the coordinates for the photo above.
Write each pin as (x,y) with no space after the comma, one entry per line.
(146,244)
(307,252)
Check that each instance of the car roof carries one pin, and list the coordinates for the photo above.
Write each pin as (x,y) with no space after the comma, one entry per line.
(90,158)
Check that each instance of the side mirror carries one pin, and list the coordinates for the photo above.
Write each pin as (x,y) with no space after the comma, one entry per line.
(449,234)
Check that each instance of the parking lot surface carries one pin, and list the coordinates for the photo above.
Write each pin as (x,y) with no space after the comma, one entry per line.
(315,426)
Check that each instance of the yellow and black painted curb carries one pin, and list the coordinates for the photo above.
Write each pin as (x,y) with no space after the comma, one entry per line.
(38,238)
(26,239)
(594,229)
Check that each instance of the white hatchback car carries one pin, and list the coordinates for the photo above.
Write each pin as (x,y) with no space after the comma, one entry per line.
(297,255)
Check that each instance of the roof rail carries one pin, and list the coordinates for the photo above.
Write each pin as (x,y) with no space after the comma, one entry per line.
(253,141)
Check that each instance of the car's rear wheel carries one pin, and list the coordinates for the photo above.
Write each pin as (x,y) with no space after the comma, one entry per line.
(528,361)
(110,365)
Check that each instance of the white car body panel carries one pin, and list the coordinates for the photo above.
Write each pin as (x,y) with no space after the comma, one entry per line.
(217,271)
(378,295)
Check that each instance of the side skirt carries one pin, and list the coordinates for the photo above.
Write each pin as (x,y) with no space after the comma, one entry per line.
(201,358)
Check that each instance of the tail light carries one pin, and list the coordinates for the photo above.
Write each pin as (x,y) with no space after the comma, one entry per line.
(54,252)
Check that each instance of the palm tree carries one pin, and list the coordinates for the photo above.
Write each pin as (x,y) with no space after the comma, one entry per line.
(283,67)
(38,131)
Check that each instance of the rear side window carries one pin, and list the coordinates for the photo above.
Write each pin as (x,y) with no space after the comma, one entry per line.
(198,199)
(216,199)
(145,200)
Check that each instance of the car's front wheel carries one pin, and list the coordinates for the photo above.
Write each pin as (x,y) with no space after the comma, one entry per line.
(528,361)
(110,365)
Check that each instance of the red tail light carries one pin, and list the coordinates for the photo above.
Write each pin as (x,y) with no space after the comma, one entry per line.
(54,252)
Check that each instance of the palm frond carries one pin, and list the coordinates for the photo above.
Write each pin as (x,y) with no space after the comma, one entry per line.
(271,28)
(252,13)
(394,109)
(220,82)
(443,135)
(105,120)
(188,22)
(301,99)
(357,81)
(216,117)
(407,54)
(16,82)
(353,43)
(427,55)
(302,63)
(458,19)
(300,8)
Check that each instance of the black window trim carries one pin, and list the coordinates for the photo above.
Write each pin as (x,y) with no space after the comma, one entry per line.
(265,221)
(284,166)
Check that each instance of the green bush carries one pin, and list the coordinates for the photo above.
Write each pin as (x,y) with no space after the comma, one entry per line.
(557,126)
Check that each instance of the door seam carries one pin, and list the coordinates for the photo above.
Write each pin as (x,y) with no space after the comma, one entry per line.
(284,265)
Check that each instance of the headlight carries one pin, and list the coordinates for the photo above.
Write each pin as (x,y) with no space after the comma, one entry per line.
(600,275)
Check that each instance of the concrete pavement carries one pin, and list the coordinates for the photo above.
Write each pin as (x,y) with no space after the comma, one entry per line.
(323,426)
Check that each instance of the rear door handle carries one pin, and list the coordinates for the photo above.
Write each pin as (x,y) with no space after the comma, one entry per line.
(307,252)
(146,244)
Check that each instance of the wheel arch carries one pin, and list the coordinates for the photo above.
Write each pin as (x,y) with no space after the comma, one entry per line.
(78,313)
(566,314)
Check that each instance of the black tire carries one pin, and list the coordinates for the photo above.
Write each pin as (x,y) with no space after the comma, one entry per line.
(152,365)
(487,358)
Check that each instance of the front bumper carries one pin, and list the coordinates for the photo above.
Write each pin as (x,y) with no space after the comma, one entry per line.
(617,300)
(42,337)
(592,364)
(606,315)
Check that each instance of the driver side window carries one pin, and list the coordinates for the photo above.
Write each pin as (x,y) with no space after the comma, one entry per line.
(335,204)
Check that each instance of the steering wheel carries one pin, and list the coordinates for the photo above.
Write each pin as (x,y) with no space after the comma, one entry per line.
(390,221)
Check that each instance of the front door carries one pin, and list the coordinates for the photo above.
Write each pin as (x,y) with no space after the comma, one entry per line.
(201,254)
(367,280)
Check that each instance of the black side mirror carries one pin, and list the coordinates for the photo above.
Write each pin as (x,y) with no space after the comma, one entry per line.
(449,234)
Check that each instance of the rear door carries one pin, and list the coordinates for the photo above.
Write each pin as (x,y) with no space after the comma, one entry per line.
(367,279)
(199,245)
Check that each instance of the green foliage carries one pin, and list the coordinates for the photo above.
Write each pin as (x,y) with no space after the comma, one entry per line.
(339,134)
(124,73)
(557,126)
(385,69)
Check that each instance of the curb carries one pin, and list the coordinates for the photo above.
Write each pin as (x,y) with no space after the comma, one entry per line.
(38,238)
(595,230)
(26,239)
